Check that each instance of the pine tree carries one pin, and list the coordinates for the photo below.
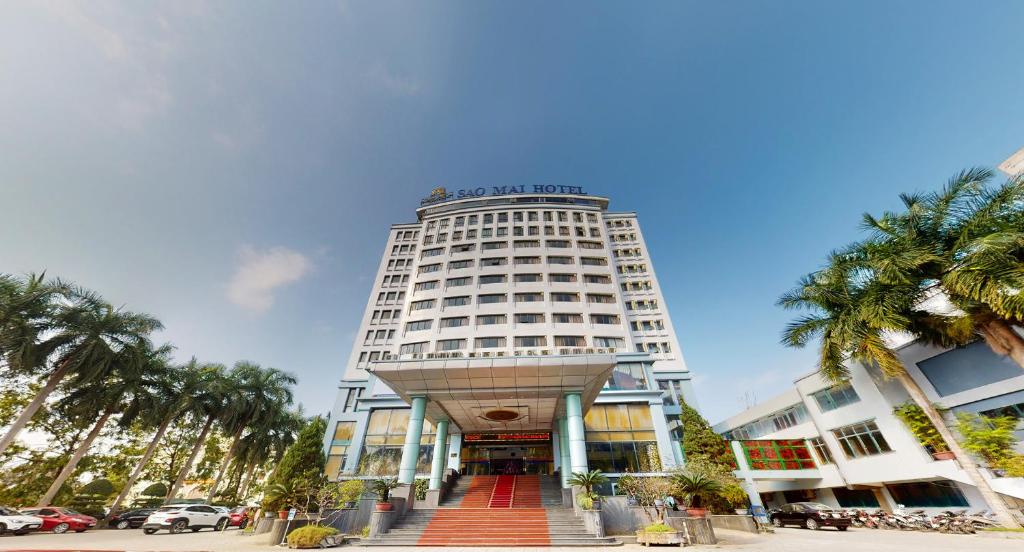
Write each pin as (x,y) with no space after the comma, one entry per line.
(700,442)
(302,468)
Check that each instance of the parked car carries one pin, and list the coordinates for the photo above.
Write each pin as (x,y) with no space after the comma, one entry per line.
(131,519)
(13,521)
(811,515)
(239,517)
(177,518)
(61,520)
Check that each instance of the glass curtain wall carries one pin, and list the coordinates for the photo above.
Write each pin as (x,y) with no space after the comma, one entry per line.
(385,436)
(620,439)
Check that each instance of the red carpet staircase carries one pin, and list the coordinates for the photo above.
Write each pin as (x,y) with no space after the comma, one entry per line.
(502,510)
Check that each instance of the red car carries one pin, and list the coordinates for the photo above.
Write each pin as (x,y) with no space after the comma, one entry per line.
(61,520)
(239,517)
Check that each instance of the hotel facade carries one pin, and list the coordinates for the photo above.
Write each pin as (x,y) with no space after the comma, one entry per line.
(512,330)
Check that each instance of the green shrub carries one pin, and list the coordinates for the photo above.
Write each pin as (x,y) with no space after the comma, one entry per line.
(365,531)
(658,528)
(989,438)
(351,491)
(421,486)
(155,490)
(310,536)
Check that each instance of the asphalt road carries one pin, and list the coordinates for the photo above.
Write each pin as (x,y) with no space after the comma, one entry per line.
(784,540)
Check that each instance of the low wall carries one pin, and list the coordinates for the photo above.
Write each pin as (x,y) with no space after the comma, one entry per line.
(736,523)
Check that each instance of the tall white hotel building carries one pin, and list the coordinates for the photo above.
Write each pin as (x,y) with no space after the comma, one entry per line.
(512,330)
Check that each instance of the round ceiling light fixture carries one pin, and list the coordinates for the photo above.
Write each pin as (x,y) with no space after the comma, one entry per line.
(502,415)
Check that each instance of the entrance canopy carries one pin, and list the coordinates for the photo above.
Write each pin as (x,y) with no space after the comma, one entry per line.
(500,393)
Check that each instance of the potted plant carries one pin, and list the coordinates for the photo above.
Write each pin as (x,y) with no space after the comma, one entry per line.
(588,499)
(382,487)
(659,533)
(279,496)
(917,422)
(695,488)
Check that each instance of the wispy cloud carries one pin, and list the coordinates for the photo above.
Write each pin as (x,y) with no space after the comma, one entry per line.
(261,272)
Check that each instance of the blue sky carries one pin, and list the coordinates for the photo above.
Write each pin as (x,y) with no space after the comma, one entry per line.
(232,167)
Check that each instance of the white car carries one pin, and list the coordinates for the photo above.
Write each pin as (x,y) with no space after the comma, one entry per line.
(13,521)
(179,517)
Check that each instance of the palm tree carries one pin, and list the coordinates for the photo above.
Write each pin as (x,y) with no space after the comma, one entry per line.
(129,392)
(852,313)
(259,394)
(55,329)
(208,402)
(265,443)
(180,391)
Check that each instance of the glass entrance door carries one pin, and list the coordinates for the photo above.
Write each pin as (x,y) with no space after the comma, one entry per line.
(507,459)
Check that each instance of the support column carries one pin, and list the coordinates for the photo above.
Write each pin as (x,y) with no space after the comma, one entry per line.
(411,450)
(577,442)
(440,451)
(556,448)
(563,450)
(668,459)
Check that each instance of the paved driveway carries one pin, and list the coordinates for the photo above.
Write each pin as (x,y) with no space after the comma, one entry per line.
(784,540)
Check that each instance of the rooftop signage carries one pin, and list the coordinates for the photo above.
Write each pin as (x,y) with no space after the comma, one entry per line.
(441,194)
(506,437)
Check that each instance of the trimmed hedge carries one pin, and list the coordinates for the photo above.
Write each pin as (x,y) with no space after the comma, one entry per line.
(310,536)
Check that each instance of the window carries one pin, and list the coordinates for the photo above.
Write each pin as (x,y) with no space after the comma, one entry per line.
(562,277)
(610,342)
(525,278)
(456,282)
(490,342)
(597,279)
(450,344)
(821,449)
(859,440)
(494,261)
(600,298)
(418,325)
(424,286)
(529,318)
(528,297)
(531,341)
(502,217)
(470,234)
(604,319)
(967,368)
(835,397)
(565,297)
(928,494)
(558,244)
(454,322)
(454,265)
(526,243)
(517,216)
(411,348)
(567,318)
(629,376)
(560,260)
(855,498)
(465,248)
(488,219)
(526,260)
(352,398)
(421,305)
(424,269)
(431,252)
(487,246)
(588,245)
(787,417)
(501,231)
(491,319)
(593,261)
(385,434)
(620,438)
(473,219)
(491,298)
(459,301)
(570,340)
(493,279)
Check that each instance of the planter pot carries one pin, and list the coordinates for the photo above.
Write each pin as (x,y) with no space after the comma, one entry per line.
(282,514)
(384,506)
(647,539)
(697,512)
(944,455)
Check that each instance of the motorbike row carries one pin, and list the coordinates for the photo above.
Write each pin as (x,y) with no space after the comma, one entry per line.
(916,520)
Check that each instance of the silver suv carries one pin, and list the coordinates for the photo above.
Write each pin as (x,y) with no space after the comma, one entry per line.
(177,518)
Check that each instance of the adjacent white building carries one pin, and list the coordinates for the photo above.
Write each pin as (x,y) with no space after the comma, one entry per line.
(526,325)
(842,444)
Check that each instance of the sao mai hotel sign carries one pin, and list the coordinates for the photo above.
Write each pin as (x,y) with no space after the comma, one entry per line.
(441,194)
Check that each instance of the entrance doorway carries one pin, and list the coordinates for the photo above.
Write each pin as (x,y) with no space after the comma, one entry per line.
(504,454)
